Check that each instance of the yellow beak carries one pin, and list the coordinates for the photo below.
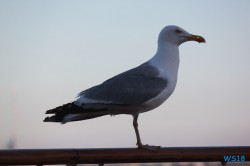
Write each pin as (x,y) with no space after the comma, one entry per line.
(197,38)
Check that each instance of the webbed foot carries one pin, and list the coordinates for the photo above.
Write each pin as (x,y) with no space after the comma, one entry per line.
(151,148)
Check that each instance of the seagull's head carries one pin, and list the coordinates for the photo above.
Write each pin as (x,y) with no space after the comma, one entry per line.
(176,35)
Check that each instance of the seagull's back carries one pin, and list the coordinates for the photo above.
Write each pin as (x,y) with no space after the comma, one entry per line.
(133,87)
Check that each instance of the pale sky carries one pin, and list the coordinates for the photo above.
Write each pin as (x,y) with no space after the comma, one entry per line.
(52,50)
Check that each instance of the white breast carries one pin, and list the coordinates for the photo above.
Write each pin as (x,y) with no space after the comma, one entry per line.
(166,61)
(163,96)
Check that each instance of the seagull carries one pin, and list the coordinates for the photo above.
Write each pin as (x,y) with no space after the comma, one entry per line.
(132,92)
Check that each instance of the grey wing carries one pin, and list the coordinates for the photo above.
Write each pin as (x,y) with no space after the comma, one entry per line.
(133,87)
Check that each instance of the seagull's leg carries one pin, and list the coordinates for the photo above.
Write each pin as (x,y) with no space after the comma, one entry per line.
(137,131)
(139,143)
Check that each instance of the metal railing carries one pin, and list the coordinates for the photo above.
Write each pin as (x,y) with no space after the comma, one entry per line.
(120,155)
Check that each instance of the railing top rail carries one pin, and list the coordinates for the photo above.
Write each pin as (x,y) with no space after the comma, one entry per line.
(121,155)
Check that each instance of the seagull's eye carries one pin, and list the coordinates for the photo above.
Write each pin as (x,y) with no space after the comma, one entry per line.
(178,31)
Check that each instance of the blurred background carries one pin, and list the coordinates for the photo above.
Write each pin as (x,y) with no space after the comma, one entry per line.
(52,50)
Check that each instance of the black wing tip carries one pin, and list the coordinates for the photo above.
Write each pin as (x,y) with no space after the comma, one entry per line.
(52,111)
(47,119)
(51,119)
(61,108)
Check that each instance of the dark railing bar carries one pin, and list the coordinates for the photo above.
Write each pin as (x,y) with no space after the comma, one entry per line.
(119,155)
